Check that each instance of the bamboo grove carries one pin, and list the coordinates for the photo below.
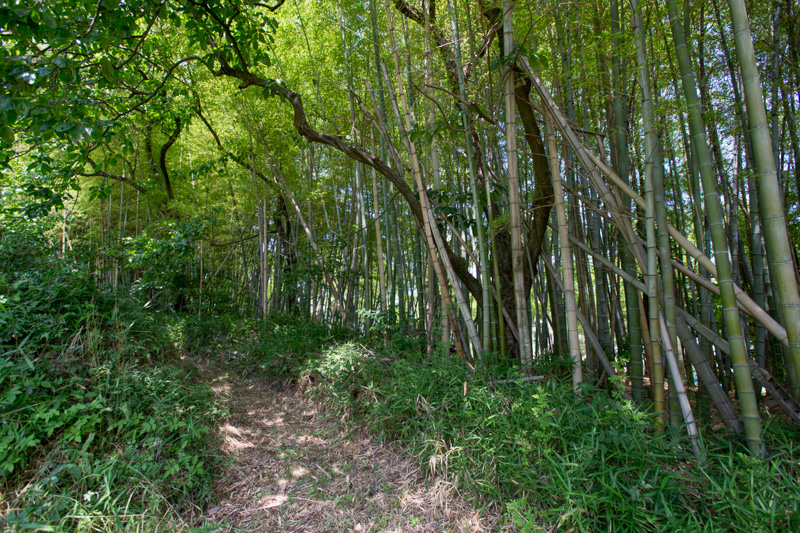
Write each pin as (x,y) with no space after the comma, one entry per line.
(615,182)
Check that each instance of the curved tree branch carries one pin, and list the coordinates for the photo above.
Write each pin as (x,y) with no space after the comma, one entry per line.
(162,157)
(104,174)
(352,150)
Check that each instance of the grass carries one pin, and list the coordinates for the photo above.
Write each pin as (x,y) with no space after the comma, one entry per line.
(105,428)
(554,459)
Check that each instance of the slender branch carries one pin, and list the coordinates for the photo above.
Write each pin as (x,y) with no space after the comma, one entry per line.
(354,151)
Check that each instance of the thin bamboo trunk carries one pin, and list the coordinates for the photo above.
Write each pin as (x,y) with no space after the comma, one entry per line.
(655,167)
(476,211)
(339,303)
(525,354)
(566,259)
(379,244)
(433,238)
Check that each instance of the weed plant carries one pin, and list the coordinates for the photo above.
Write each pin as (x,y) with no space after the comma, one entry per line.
(557,460)
(281,346)
(98,432)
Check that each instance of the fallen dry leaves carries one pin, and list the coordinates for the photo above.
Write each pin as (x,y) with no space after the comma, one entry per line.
(296,469)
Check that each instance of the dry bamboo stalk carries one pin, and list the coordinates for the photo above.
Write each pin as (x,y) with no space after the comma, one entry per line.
(592,161)
(609,265)
(748,304)
(432,234)
(566,258)
(680,388)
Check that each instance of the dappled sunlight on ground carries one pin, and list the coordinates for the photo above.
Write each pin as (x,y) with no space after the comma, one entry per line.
(233,439)
(296,470)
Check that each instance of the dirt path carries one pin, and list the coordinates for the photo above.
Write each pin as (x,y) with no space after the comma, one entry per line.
(295,469)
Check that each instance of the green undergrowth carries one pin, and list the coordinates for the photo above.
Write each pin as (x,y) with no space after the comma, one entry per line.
(103,428)
(278,348)
(557,461)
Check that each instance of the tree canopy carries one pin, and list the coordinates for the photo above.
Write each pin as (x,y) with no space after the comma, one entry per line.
(617,182)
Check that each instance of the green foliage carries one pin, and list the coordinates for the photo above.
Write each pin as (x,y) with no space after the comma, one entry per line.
(576,463)
(90,439)
(92,430)
(164,258)
(279,347)
(284,345)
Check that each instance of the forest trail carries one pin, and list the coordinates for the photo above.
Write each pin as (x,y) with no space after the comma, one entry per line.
(296,469)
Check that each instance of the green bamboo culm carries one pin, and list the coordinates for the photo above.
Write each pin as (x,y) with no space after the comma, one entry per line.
(730,312)
(520,295)
(476,211)
(636,364)
(652,166)
(779,248)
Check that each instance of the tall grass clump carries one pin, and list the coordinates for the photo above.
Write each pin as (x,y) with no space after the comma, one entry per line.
(557,460)
(99,432)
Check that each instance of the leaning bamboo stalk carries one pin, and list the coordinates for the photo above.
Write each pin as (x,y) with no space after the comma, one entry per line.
(704,283)
(707,377)
(609,265)
(566,258)
(587,330)
(748,304)
(677,382)
(756,370)
(619,216)
(705,331)
(591,161)
(432,234)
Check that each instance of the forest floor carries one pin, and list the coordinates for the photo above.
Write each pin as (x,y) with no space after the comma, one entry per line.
(296,468)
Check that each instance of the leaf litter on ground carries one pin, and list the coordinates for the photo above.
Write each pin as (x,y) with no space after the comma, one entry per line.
(296,468)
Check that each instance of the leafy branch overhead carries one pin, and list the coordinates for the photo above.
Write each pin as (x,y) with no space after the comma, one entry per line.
(613,181)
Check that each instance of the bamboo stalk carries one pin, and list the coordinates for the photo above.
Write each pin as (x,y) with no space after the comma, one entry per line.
(733,325)
(379,242)
(587,331)
(432,234)
(779,249)
(476,212)
(566,259)
(677,382)
(328,279)
(525,354)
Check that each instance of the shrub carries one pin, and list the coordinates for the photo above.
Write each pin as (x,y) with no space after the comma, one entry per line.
(97,430)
